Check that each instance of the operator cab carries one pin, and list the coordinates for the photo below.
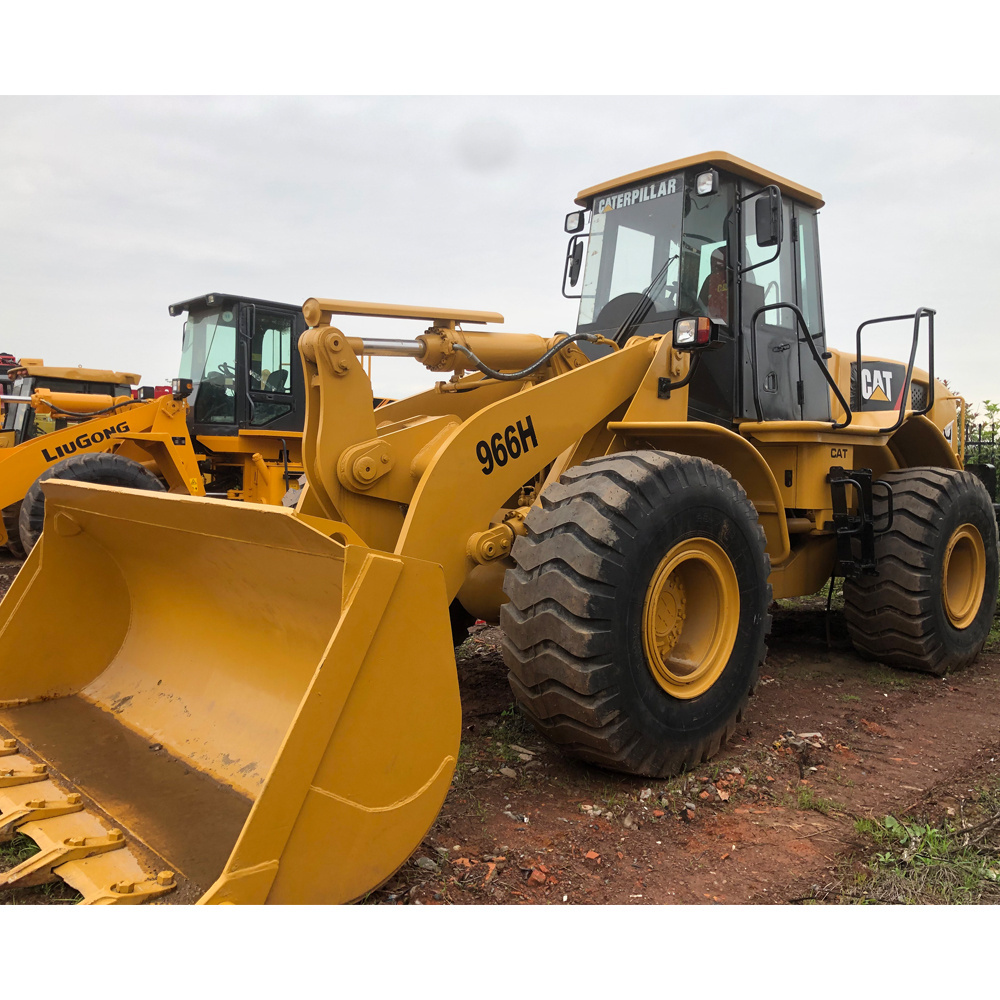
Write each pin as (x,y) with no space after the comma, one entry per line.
(242,358)
(713,239)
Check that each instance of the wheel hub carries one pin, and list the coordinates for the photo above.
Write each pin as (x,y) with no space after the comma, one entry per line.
(963,579)
(690,617)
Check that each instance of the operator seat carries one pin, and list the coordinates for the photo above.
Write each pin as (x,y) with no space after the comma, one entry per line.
(276,380)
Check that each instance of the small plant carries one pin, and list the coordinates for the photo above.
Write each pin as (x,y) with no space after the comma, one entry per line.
(917,861)
(19,849)
(850,697)
(808,799)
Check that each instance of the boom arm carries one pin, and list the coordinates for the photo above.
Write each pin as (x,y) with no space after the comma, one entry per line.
(465,470)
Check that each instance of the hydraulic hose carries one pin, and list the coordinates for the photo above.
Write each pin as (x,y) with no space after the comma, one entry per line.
(594,338)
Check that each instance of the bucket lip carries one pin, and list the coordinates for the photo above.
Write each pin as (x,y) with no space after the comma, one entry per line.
(226,519)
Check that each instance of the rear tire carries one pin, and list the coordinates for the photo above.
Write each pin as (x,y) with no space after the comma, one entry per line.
(931,606)
(101,467)
(620,636)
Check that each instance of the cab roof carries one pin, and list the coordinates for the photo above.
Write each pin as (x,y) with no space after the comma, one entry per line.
(79,374)
(218,298)
(717,158)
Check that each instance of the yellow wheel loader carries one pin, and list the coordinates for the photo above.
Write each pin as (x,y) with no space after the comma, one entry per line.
(231,427)
(90,388)
(248,704)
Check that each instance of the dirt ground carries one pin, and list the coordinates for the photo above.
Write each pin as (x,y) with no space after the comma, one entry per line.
(828,738)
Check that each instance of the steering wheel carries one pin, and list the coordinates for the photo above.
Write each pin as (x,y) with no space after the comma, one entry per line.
(227,369)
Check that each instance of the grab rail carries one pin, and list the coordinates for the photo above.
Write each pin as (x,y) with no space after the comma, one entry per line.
(800,321)
(904,395)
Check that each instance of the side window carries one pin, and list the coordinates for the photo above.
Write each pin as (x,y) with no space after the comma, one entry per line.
(769,283)
(271,353)
(808,268)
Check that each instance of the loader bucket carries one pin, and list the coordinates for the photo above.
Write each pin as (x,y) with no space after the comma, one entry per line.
(215,701)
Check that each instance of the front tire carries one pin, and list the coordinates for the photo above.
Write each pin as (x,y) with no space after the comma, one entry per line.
(94,467)
(638,611)
(10,523)
(931,606)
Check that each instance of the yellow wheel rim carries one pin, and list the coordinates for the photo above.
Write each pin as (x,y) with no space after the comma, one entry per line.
(964,578)
(691,617)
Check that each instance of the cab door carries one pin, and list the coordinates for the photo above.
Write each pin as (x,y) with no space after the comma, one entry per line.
(789,384)
(766,282)
(273,397)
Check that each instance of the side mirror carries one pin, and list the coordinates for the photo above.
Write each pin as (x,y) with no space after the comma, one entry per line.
(574,265)
(767,210)
(575,259)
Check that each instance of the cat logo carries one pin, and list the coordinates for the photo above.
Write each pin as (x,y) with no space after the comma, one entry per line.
(881,384)
(876,384)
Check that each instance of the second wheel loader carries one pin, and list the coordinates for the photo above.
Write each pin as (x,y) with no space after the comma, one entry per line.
(232,426)
(625,500)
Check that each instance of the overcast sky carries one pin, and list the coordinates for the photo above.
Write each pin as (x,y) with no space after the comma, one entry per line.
(112,208)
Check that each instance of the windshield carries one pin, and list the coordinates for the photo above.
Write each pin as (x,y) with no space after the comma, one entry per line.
(208,358)
(657,233)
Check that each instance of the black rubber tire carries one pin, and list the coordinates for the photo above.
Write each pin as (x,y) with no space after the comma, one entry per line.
(573,628)
(461,622)
(899,616)
(10,523)
(100,467)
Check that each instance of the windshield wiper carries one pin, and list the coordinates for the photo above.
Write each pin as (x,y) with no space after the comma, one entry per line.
(641,309)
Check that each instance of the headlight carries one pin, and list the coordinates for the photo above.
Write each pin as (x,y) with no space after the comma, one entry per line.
(685,331)
(694,331)
(574,222)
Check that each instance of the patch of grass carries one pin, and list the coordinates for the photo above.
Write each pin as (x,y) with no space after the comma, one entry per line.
(850,697)
(19,849)
(808,799)
(913,860)
(512,727)
(478,808)
(884,677)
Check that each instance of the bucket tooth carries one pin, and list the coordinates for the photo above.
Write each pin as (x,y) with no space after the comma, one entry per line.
(75,846)
(32,809)
(13,776)
(8,748)
(115,879)
(56,848)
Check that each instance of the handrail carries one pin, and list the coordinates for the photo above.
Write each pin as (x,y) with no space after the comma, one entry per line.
(800,320)
(904,396)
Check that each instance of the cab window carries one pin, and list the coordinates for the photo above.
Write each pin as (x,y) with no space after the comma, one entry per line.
(808,268)
(270,366)
(271,353)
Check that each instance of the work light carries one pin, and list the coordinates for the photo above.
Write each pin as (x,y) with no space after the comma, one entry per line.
(574,222)
(694,331)
(707,183)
